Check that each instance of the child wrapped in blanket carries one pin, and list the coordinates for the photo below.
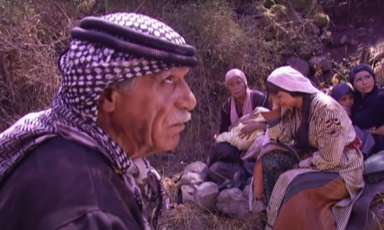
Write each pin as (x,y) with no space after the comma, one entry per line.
(233,136)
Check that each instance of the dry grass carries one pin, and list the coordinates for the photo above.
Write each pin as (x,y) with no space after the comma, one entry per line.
(190,217)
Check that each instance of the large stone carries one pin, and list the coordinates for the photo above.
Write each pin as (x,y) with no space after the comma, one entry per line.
(232,203)
(190,178)
(299,64)
(323,62)
(187,193)
(326,37)
(221,171)
(321,20)
(206,195)
(199,168)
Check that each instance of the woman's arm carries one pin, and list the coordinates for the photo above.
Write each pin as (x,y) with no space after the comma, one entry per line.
(332,136)
(279,128)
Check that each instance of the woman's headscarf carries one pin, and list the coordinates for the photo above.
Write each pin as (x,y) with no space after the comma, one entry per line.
(359,68)
(291,80)
(247,106)
(341,89)
(103,51)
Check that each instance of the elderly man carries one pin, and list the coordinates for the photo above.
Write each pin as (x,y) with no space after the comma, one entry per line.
(80,164)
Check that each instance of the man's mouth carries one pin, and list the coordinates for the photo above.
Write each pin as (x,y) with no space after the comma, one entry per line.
(179,125)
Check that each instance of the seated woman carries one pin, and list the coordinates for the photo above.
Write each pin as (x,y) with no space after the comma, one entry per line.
(302,188)
(243,101)
(343,93)
(368,108)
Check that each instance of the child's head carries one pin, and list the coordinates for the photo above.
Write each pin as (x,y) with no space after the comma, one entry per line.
(343,93)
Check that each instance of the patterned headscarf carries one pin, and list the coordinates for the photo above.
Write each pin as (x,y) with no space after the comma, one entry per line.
(87,69)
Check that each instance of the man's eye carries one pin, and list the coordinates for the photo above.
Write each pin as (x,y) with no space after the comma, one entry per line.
(169,80)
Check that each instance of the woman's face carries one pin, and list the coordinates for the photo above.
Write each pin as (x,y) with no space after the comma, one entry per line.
(363,82)
(347,100)
(236,87)
(285,99)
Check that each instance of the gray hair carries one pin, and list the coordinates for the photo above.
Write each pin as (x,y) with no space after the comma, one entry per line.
(126,85)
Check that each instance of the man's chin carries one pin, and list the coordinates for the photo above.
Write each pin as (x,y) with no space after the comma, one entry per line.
(170,144)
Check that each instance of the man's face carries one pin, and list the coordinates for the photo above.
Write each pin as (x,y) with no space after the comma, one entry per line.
(152,114)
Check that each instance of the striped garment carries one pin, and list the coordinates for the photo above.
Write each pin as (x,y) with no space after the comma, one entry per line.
(330,131)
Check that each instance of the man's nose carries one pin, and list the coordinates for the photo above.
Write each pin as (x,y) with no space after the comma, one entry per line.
(186,99)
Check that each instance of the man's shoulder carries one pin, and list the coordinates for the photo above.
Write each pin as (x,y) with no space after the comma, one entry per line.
(64,179)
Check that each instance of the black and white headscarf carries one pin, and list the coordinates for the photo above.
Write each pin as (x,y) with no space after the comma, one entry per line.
(87,69)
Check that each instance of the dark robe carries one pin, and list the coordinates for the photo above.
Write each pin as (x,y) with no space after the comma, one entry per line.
(368,112)
(62,185)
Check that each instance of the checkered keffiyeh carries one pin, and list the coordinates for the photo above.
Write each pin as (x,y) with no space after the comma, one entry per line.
(87,69)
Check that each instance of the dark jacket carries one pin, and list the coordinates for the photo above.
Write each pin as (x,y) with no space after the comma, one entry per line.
(368,112)
(258,99)
(64,185)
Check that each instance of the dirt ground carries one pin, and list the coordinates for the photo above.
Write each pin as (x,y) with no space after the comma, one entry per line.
(362,24)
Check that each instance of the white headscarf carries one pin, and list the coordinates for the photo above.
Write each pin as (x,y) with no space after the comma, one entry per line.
(247,107)
(291,80)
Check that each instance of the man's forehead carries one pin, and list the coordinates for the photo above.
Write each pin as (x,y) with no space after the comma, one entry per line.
(176,71)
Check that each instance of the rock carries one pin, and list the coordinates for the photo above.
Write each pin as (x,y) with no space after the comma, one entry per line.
(206,195)
(199,168)
(326,38)
(304,51)
(190,178)
(220,171)
(343,39)
(312,29)
(187,193)
(232,203)
(318,49)
(321,20)
(323,61)
(269,3)
(301,5)
(299,64)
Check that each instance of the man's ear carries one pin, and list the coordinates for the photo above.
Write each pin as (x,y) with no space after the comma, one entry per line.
(108,100)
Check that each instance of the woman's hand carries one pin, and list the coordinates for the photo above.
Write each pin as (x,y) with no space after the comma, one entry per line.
(248,129)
